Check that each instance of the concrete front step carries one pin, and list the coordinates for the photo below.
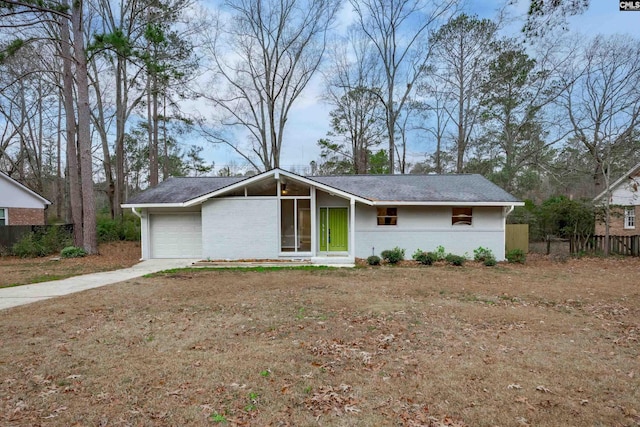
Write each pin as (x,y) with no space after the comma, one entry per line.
(317,261)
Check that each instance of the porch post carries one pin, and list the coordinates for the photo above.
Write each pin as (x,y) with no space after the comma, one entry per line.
(145,242)
(352,228)
(314,226)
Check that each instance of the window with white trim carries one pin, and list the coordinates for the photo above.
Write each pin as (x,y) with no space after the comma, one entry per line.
(3,216)
(461,216)
(387,216)
(630,217)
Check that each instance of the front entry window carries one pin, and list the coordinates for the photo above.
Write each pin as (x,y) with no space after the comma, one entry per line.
(295,225)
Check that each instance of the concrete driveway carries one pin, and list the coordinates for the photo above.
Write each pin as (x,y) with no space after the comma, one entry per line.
(26,294)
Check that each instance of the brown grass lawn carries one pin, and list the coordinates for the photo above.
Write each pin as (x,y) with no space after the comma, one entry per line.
(545,344)
(112,256)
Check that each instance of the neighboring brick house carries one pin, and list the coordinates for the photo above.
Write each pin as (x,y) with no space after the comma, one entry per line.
(19,205)
(625,202)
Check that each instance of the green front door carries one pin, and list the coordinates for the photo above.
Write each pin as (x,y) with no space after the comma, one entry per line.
(334,229)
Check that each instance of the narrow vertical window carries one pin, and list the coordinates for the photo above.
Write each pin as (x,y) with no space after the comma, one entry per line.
(630,217)
(3,216)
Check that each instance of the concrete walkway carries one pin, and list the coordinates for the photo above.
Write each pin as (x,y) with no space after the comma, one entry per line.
(26,294)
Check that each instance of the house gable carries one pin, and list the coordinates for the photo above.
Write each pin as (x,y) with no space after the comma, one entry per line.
(277,174)
(15,195)
(625,191)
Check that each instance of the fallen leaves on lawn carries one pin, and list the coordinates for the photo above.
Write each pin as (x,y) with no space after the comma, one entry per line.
(338,400)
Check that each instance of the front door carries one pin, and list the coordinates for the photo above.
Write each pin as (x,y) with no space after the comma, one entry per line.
(334,229)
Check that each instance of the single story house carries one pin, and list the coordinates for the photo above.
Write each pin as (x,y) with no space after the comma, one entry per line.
(326,219)
(19,205)
(624,198)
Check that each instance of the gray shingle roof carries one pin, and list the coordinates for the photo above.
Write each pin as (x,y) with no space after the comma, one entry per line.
(179,190)
(419,188)
(392,188)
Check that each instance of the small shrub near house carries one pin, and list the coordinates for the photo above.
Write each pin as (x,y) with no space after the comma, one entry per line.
(425,258)
(440,253)
(393,256)
(373,260)
(516,256)
(456,260)
(484,256)
(72,252)
(490,262)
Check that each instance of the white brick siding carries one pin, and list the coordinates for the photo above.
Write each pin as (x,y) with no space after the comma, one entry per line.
(427,227)
(243,228)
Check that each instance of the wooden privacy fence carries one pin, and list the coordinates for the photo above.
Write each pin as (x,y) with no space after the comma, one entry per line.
(621,245)
(10,234)
(517,237)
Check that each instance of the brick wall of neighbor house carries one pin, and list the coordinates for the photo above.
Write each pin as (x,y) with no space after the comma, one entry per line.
(616,225)
(22,216)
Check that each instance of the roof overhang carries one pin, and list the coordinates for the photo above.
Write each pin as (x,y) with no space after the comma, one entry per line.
(153,205)
(417,203)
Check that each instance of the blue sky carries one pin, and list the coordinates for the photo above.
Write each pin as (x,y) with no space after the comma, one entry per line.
(309,119)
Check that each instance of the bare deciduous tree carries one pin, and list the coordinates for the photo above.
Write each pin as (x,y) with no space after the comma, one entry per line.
(602,102)
(399,30)
(263,57)
(353,89)
(603,105)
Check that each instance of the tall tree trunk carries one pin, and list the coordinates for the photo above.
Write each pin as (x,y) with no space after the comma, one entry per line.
(165,145)
(121,108)
(73,173)
(153,147)
(90,238)
(59,187)
(100,126)
(391,130)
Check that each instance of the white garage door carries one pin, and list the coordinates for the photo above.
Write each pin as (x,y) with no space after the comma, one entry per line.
(176,236)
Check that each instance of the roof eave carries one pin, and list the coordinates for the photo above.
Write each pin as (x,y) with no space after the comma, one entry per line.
(444,203)
(152,205)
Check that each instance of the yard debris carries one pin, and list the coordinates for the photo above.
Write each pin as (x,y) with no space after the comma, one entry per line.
(543,389)
(514,387)
(332,399)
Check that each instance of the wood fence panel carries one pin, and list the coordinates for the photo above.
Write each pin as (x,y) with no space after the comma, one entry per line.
(517,237)
(10,234)
(619,245)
